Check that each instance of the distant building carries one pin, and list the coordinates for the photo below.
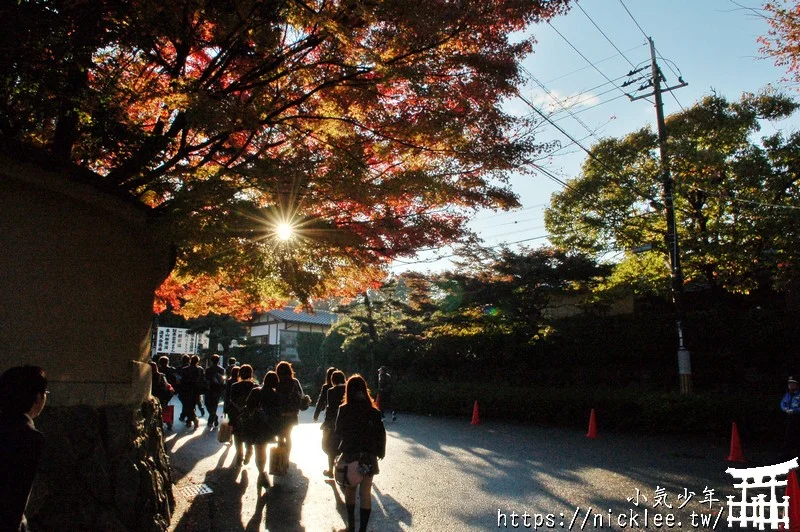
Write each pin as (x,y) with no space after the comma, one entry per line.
(280,327)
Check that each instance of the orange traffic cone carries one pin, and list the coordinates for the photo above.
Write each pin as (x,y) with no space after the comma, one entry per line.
(736,446)
(476,417)
(592,426)
(793,492)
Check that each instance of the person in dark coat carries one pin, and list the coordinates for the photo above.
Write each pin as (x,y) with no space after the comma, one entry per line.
(179,375)
(260,420)
(330,442)
(385,389)
(232,379)
(322,400)
(160,388)
(23,392)
(290,393)
(229,368)
(170,373)
(191,378)
(215,377)
(237,402)
(363,440)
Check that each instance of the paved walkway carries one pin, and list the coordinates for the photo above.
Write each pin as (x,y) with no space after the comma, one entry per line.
(443,474)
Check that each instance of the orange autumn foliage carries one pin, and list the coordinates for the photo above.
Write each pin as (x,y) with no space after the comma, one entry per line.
(375,127)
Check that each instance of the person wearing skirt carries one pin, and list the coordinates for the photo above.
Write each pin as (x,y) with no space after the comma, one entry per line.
(363,440)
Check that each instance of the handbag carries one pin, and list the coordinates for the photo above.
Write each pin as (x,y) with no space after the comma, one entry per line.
(278,461)
(305,402)
(349,474)
(225,432)
(168,414)
(255,425)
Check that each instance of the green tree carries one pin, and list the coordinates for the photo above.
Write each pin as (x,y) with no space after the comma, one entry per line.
(736,199)
(645,276)
(375,331)
(222,331)
(505,299)
(460,324)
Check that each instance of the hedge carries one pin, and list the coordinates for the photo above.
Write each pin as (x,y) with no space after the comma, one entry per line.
(757,416)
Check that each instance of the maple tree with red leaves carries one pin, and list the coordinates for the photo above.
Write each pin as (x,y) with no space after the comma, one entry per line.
(373,127)
(782,42)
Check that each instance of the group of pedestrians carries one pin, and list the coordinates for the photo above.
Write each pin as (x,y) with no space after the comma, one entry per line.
(353,434)
(263,414)
(193,385)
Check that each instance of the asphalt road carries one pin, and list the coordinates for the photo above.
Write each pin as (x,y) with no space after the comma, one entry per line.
(443,474)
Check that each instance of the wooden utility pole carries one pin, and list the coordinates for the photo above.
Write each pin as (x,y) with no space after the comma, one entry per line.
(684,357)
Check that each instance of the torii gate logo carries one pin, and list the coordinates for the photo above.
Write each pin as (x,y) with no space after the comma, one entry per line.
(755,508)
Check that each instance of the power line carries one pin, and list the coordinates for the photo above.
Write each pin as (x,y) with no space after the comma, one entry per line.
(604,34)
(628,219)
(502,235)
(564,107)
(579,111)
(596,62)
(437,259)
(739,200)
(576,99)
(562,148)
(646,36)
(676,74)
(669,65)
(582,147)
(494,215)
(518,222)
(583,56)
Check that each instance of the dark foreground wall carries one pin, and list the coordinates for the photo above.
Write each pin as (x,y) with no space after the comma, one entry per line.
(78,269)
(104,468)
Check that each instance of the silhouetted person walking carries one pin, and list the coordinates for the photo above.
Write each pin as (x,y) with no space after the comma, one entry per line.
(189,391)
(385,390)
(23,392)
(215,377)
(363,436)
(330,442)
(290,395)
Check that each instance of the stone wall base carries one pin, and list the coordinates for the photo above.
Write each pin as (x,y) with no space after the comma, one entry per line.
(104,468)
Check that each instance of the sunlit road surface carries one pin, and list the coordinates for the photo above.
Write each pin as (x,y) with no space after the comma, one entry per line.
(444,474)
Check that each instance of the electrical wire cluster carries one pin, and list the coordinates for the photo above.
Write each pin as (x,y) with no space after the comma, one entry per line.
(555,113)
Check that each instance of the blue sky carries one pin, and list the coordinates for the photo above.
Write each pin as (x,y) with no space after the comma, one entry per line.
(711,43)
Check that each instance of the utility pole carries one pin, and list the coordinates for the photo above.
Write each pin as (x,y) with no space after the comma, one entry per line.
(684,357)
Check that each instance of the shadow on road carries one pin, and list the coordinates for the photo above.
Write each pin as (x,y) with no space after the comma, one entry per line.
(187,446)
(394,514)
(561,466)
(284,502)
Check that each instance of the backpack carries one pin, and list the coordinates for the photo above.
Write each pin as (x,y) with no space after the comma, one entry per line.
(256,426)
(216,381)
(194,379)
(290,397)
(202,382)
